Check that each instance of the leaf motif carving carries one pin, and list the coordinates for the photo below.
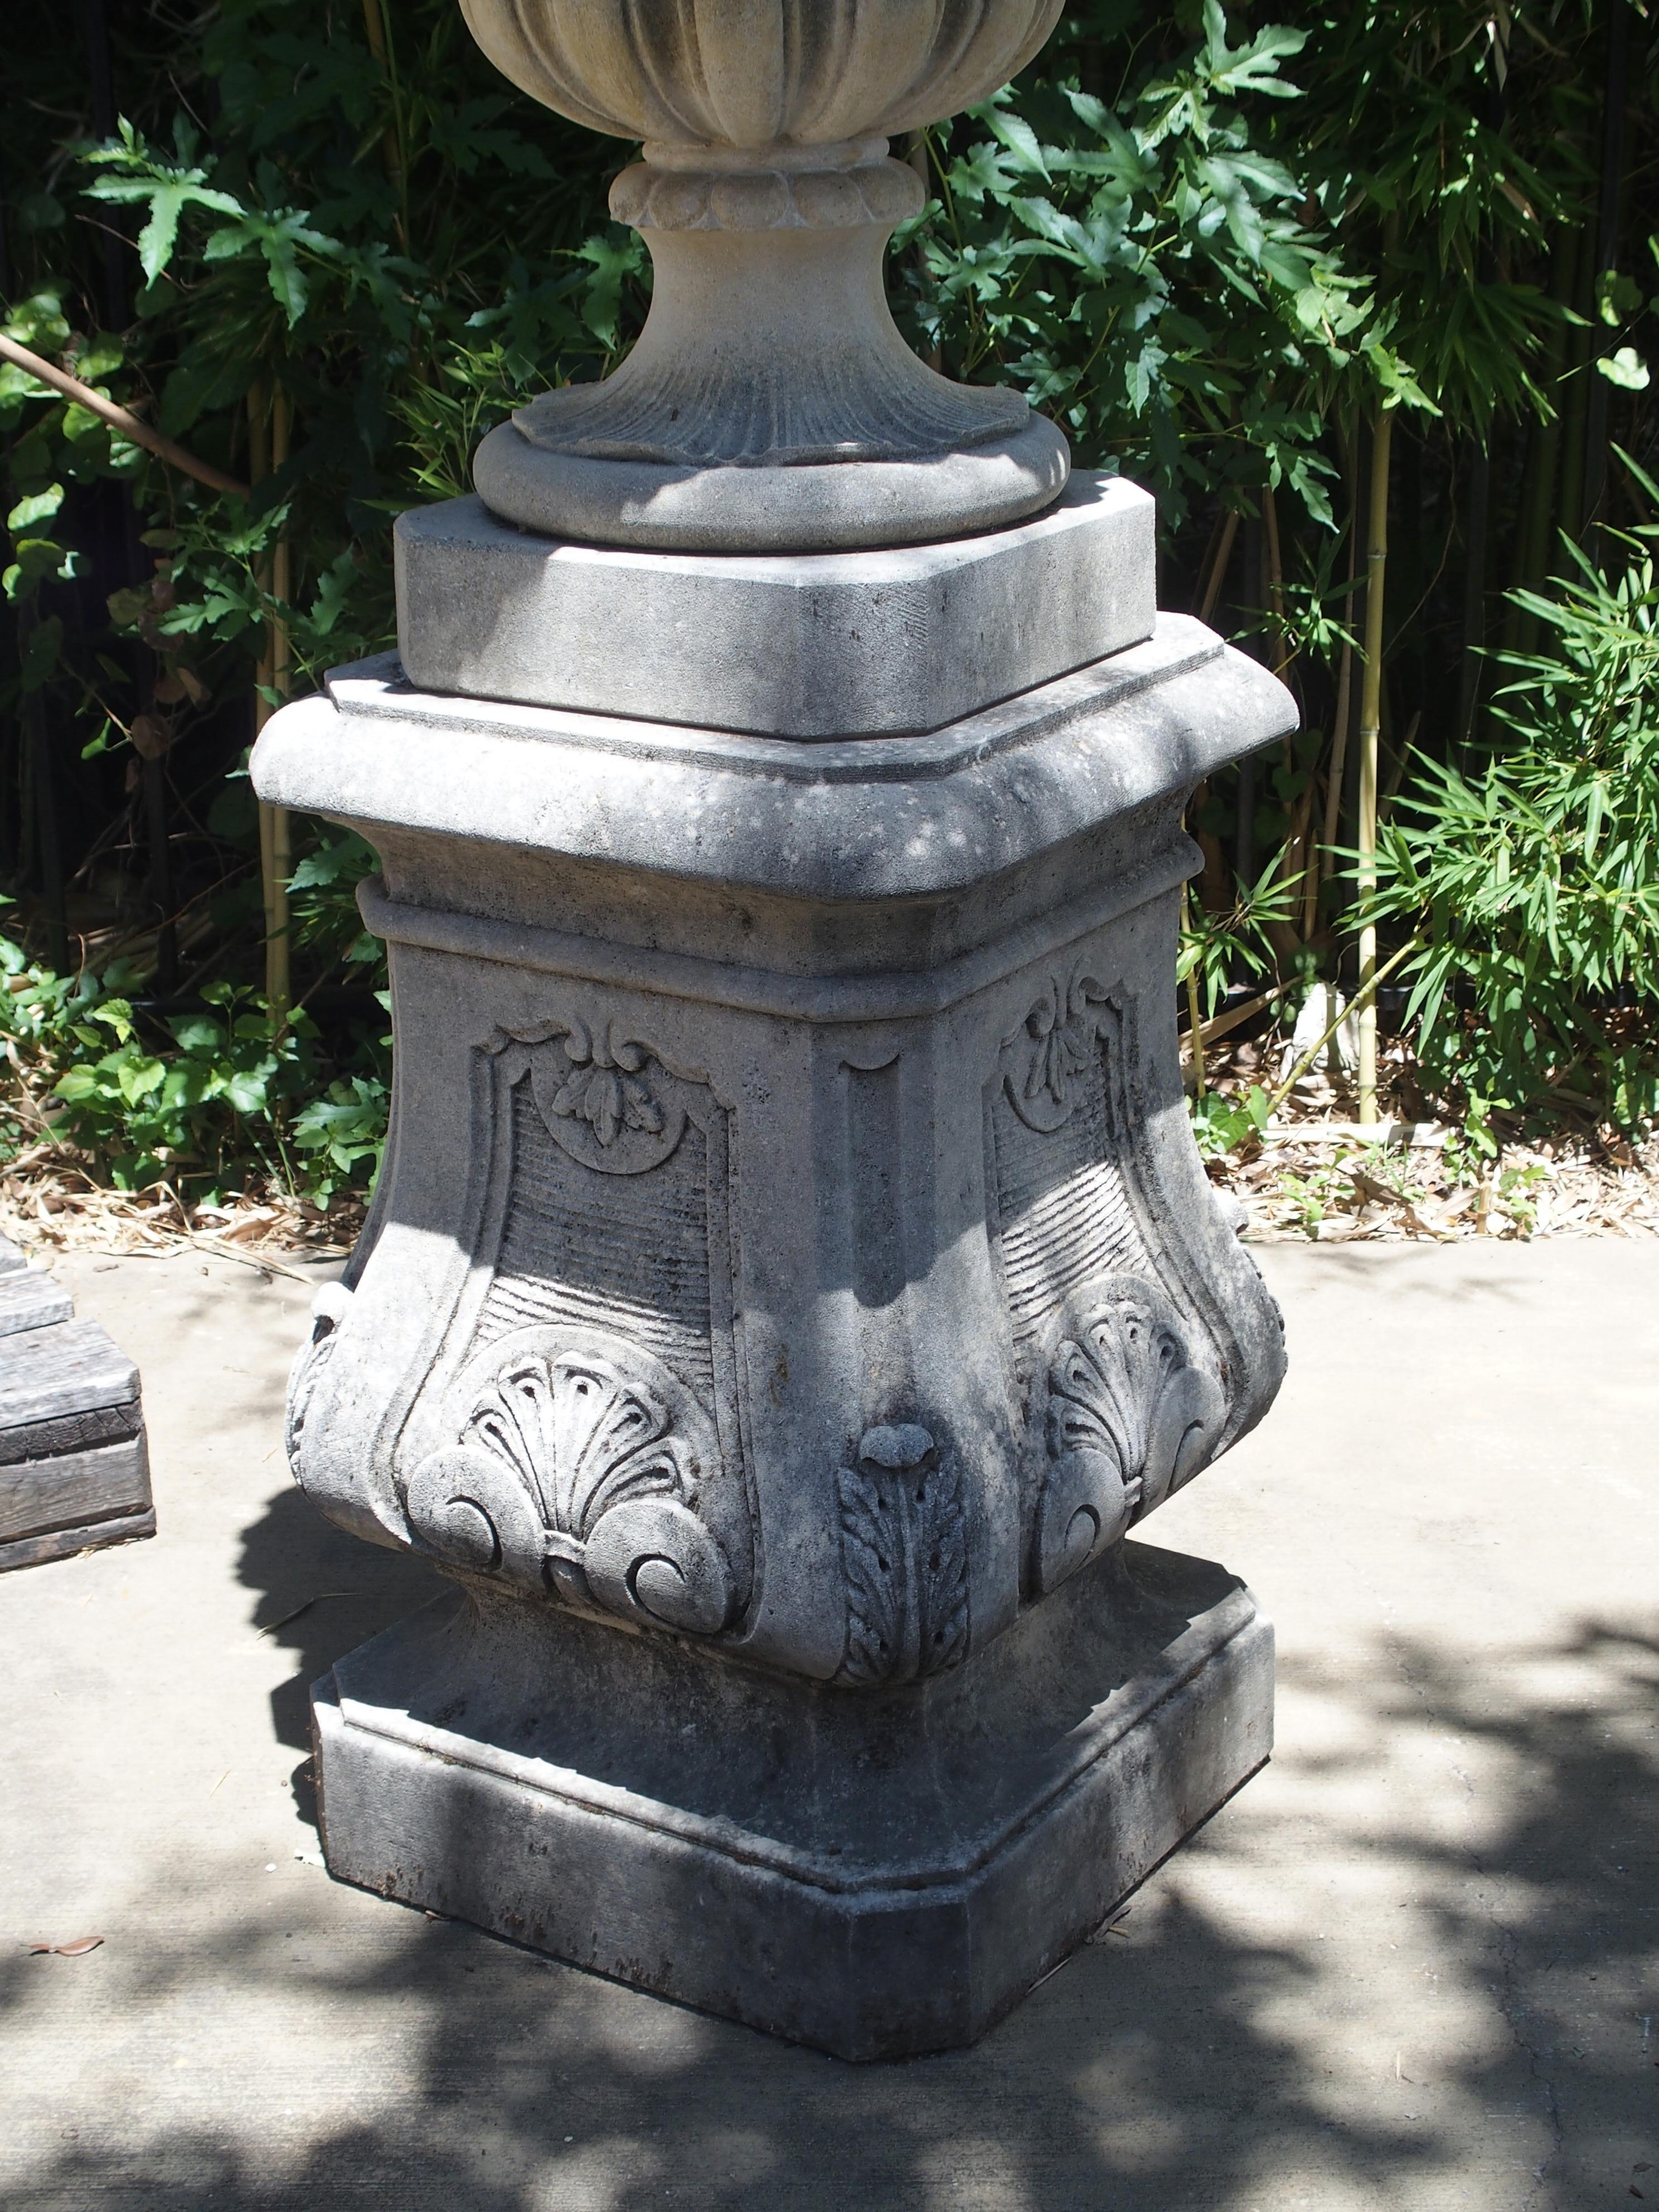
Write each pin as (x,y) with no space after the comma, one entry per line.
(1053,1051)
(871,1545)
(604,1088)
(904,1555)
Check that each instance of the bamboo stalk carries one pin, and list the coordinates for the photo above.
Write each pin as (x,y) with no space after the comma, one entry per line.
(1545,459)
(1371,725)
(277,965)
(268,447)
(1357,1004)
(1475,591)
(1223,553)
(135,432)
(1281,655)
(392,139)
(1195,1022)
(1339,762)
(1296,859)
(1296,868)
(1221,1025)
(1615,99)
(1340,733)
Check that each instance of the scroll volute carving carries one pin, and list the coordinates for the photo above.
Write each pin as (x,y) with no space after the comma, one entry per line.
(1130,1417)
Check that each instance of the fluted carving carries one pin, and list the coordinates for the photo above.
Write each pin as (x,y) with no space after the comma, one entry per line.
(768,196)
(1132,1415)
(749,73)
(578,1470)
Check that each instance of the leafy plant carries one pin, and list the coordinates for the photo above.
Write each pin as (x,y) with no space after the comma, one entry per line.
(1217,950)
(1145,269)
(1226,253)
(196,1102)
(1537,876)
(1225,1124)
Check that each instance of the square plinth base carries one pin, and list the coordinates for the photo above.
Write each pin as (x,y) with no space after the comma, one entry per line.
(796,645)
(877,1874)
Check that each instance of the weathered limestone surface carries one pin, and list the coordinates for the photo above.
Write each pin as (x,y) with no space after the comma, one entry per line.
(770,404)
(791,1254)
(791,1276)
(875,1874)
(811,645)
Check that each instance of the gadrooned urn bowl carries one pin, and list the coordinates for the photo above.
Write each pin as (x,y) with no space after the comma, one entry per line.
(757,73)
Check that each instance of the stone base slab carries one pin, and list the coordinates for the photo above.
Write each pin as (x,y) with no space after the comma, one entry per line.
(811,646)
(876,1874)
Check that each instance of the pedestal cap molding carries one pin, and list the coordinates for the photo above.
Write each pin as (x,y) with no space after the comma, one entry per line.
(876,819)
(904,994)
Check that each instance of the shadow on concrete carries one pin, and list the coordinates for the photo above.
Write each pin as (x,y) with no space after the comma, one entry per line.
(349,1591)
(1183,2065)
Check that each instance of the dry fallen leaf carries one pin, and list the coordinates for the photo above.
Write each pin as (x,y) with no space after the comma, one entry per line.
(282,1620)
(77,1948)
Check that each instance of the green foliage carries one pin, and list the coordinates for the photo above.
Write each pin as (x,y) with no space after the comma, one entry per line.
(328,241)
(1145,270)
(1536,877)
(1212,247)
(1224,1124)
(1222,949)
(196,1101)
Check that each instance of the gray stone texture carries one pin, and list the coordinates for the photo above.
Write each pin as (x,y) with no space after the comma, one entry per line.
(875,1874)
(799,646)
(791,1253)
(769,404)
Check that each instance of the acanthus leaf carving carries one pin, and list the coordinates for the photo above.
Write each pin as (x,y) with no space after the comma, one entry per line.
(605,1097)
(1130,1417)
(905,1554)
(328,1310)
(578,1468)
(1055,1052)
(604,1088)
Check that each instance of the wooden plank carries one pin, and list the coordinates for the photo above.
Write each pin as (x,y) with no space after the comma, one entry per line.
(49,1372)
(10,1257)
(95,1425)
(30,1299)
(38,1495)
(64,1543)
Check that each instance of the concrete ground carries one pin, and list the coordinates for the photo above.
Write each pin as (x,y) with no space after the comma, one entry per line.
(1413,1964)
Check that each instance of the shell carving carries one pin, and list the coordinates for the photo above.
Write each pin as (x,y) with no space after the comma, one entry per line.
(1130,1417)
(578,1469)
(578,1437)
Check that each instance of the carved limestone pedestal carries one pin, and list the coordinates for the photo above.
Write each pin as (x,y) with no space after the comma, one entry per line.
(792,1275)
(791,1278)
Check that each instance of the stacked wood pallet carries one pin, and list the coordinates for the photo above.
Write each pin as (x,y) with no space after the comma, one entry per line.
(74,1468)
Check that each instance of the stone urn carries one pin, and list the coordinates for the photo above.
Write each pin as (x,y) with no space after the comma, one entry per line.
(770,404)
(792,1284)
